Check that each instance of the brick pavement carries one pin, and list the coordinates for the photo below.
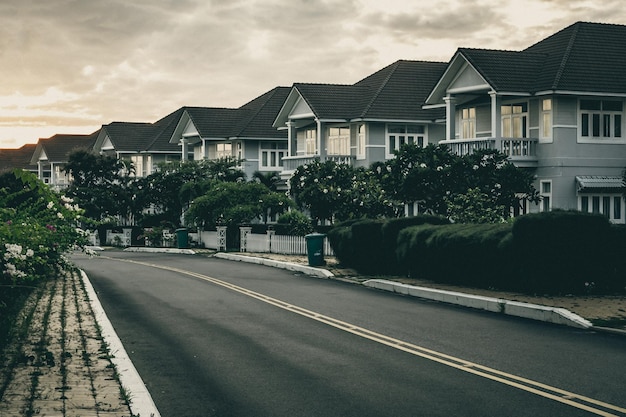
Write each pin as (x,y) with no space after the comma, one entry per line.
(62,367)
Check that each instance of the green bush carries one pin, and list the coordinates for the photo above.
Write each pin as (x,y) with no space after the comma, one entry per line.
(562,252)
(367,247)
(294,223)
(340,239)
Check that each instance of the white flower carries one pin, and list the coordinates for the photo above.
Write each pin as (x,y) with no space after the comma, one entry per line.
(422,165)
(440,168)
(60,215)
(50,205)
(30,253)
(475,167)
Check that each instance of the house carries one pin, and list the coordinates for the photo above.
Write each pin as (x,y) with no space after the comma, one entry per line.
(556,107)
(51,155)
(145,145)
(18,158)
(364,122)
(245,133)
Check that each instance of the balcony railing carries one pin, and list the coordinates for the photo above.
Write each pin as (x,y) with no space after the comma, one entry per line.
(290,163)
(521,151)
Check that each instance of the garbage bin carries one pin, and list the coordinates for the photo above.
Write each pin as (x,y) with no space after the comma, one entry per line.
(315,248)
(182,238)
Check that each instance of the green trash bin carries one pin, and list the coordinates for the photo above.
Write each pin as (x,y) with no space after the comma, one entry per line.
(182,238)
(315,248)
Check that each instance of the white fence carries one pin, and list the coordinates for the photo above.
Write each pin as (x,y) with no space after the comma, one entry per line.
(250,242)
(263,243)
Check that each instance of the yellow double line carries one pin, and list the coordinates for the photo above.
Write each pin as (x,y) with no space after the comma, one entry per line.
(556,394)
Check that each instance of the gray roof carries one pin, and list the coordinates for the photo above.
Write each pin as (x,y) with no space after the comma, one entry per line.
(57,148)
(17,158)
(584,57)
(600,183)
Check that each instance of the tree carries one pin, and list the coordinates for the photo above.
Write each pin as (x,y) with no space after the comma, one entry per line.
(174,186)
(100,184)
(235,203)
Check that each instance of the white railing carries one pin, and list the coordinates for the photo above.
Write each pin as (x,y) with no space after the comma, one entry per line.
(290,163)
(521,151)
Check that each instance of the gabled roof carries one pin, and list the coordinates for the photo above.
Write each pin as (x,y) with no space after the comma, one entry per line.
(252,120)
(129,136)
(582,58)
(164,129)
(586,57)
(57,148)
(396,92)
(17,158)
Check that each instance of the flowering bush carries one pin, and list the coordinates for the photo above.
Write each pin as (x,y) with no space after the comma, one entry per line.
(37,227)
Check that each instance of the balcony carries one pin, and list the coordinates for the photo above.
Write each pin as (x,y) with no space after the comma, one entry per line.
(521,151)
(290,163)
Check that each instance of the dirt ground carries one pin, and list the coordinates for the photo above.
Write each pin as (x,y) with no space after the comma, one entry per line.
(605,310)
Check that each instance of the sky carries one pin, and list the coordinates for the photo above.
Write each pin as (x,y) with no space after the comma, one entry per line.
(70,66)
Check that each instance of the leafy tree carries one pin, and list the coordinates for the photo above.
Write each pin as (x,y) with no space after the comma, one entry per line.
(234,203)
(332,191)
(475,206)
(172,188)
(270,179)
(100,184)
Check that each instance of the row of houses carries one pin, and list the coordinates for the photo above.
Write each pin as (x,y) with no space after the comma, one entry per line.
(556,108)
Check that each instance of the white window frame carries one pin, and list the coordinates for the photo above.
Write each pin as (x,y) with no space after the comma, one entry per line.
(611,205)
(271,155)
(545,190)
(361,136)
(223,150)
(611,120)
(306,140)
(468,123)
(514,119)
(545,119)
(338,140)
(398,134)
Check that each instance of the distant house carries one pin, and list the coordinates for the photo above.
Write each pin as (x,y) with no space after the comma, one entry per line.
(144,144)
(245,133)
(556,107)
(18,158)
(51,155)
(361,123)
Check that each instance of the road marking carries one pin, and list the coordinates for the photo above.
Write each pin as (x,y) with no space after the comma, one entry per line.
(566,397)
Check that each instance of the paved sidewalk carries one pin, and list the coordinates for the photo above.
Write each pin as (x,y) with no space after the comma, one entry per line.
(62,367)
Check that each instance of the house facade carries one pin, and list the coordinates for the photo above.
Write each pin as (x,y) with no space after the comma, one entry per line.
(51,155)
(243,133)
(145,145)
(556,107)
(364,122)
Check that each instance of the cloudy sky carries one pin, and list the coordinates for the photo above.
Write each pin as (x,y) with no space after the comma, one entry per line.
(69,66)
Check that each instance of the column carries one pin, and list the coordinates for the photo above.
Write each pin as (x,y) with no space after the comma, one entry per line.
(221,238)
(450,117)
(496,114)
(244,231)
(185,149)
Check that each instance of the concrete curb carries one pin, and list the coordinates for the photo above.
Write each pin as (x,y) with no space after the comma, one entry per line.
(160,250)
(140,402)
(497,305)
(309,270)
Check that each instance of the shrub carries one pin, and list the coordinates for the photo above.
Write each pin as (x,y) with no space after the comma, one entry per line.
(294,223)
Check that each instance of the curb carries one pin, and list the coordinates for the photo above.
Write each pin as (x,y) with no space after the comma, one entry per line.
(309,270)
(159,250)
(140,401)
(497,305)
(547,314)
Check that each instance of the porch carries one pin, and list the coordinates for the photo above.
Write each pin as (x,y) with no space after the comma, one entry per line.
(521,151)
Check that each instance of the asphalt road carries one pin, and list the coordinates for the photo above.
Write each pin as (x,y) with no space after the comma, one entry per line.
(219,338)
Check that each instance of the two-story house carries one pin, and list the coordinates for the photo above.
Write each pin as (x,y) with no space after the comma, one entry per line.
(556,107)
(244,133)
(51,155)
(364,122)
(145,145)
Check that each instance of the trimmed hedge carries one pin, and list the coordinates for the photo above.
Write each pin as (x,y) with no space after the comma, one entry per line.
(559,252)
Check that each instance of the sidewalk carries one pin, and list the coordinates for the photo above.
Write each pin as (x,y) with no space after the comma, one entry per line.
(63,367)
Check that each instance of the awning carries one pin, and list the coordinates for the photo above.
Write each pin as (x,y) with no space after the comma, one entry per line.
(599,184)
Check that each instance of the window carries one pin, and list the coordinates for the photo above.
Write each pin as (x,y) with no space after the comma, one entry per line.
(514,120)
(272,154)
(307,142)
(137,161)
(546,118)
(601,119)
(338,141)
(223,150)
(609,205)
(545,188)
(468,123)
(398,135)
(360,142)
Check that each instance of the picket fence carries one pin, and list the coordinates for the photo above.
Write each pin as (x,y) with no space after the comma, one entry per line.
(262,243)
(251,242)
